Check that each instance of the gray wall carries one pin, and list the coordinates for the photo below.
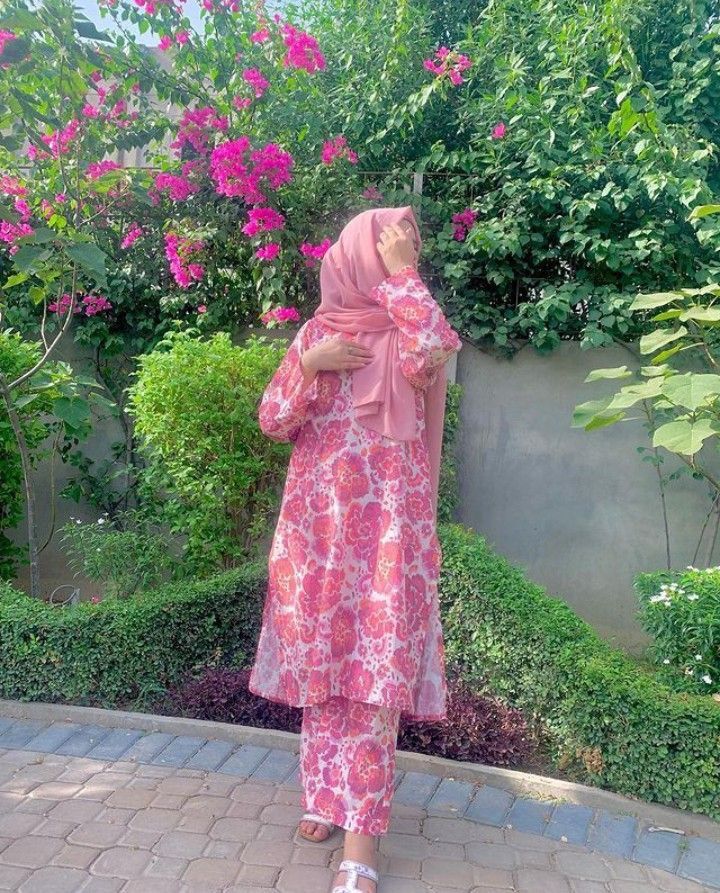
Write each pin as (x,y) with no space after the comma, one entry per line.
(580,512)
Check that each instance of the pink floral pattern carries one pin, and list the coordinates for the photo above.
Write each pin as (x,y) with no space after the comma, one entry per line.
(347,763)
(352,604)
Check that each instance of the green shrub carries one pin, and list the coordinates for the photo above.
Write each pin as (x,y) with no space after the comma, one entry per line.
(195,405)
(681,611)
(609,723)
(448,490)
(122,650)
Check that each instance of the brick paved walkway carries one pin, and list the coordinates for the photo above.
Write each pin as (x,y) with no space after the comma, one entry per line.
(84,808)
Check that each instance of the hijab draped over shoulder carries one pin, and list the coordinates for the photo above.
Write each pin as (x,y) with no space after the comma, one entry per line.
(383,398)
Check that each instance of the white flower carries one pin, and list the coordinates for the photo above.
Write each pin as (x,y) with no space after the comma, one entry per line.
(688,671)
(698,657)
(666,661)
(101,520)
(707,680)
(691,568)
(692,596)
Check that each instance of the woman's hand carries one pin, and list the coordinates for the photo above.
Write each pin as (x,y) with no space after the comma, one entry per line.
(336,354)
(397,248)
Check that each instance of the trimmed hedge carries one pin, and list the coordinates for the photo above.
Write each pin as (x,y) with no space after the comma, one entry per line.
(611,724)
(122,650)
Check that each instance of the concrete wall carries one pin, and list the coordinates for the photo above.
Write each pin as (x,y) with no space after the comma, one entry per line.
(580,512)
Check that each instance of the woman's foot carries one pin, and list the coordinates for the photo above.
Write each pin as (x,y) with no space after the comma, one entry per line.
(359,848)
(315,830)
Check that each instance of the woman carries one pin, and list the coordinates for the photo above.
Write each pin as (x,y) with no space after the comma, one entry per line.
(351,628)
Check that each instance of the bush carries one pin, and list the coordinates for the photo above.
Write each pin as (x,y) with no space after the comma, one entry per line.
(195,405)
(681,611)
(609,723)
(478,729)
(121,650)
(448,489)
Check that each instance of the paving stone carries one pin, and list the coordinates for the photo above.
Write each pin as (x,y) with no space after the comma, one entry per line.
(76,811)
(700,861)
(19,733)
(588,866)
(235,829)
(262,852)
(50,738)
(304,879)
(569,822)
(276,766)
(257,876)
(661,849)
(613,834)
(671,883)
(492,855)
(533,881)
(96,834)
(404,885)
(18,824)
(448,872)
(416,789)
(578,886)
(54,880)
(75,856)
(152,819)
(32,851)
(529,816)
(50,791)
(179,751)
(181,845)
(11,876)
(103,885)
(244,760)
(489,806)
(121,862)
(211,873)
(211,755)
(496,878)
(450,798)
(151,885)
(114,745)
(166,866)
(148,747)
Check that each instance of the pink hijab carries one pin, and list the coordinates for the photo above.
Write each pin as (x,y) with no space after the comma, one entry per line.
(383,398)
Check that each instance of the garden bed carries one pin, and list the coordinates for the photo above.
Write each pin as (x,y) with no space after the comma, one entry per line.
(601,718)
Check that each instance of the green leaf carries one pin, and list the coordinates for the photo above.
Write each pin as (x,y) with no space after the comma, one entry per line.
(29,257)
(657,299)
(615,372)
(15,279)
(71,410)
(659,338)
(691,389)
(90,257)
(704,211)
(701,314)
(683,436)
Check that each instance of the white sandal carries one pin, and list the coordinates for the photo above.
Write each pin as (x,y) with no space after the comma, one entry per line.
(318,819)
(354,871)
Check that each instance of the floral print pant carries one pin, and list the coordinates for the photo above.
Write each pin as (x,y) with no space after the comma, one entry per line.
(347,763)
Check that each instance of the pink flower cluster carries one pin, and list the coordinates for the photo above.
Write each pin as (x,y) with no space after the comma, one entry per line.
(263,220)
(303,50)
(337,147)
(11,232)
(166,41)
(498,131)
(90,305)
(59,140)
(268,252)
(132,235)
(372,194)
(314,253)
(233,176)
(151,6)
(179,188)
(462,223)
(116,110)
(5,38)
(196,125)
(178,251)
(448,63)
(280,315)
(260,36)
(254,77)
(95,170)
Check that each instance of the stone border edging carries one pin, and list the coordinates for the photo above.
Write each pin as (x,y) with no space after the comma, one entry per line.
(508,779)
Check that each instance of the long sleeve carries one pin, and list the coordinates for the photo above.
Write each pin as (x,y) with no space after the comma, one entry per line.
(287,401)
(427,340)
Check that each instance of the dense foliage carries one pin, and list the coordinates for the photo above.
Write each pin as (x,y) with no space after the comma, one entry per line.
(681,611)
(608,722)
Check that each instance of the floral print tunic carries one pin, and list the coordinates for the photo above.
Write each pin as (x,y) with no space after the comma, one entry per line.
(352,604)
